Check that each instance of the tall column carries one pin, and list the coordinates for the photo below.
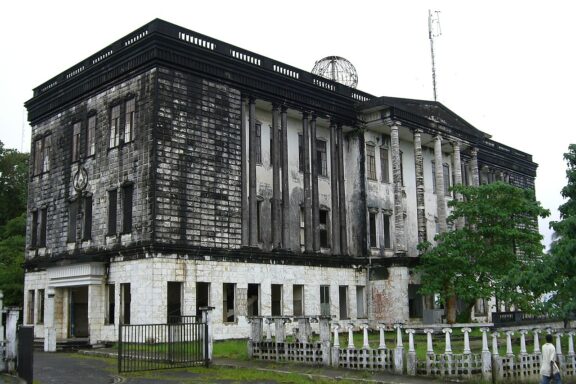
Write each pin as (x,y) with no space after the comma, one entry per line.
(342,193)
(252,174)
(285,190)
(276,233)
(457,169)
(315,200)
(399,243)
(307,194)
(474,166)
(244,173)
(420,204)
(440,193)
(334,190)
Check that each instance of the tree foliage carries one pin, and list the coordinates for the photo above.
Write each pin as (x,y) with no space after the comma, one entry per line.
(557,271)
(490,255)
(13,195)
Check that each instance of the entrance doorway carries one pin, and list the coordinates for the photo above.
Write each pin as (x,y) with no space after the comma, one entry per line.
(79,312)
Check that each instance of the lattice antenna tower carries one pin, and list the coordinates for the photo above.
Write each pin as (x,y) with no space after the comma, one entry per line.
(433,32)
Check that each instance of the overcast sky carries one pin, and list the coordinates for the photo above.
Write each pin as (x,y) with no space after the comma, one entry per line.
(507,67)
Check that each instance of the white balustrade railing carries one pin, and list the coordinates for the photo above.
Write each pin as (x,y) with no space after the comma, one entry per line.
(466,353)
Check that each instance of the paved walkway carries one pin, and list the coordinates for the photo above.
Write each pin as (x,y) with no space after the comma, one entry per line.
(90,368)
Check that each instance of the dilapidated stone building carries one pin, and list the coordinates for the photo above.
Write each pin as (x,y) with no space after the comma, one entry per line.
(171,171)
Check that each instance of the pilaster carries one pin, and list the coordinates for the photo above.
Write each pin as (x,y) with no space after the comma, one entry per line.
(334,189)
(399,240)
(420,202)
(440,193)
(315,199)
(307,192)
(252,173)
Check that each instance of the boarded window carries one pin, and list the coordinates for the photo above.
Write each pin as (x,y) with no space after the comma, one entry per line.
(276,299)
(372,228)
(76,142)
(384,166)
(43,227)
(446,172)
(126,301)
(258,144)
(110,303)
(325,300)
(298,299)
(114,127)
(127,196)
(253,297)
(130,119)
(386,227)
(31,302)
(228,298)
(91,137)
(34,230)
(40,319)
(174,302)
(343,301)
(360,302)
(72,220)
(371,162)
(112,211)
(323,228)
(321,158)
(87,228)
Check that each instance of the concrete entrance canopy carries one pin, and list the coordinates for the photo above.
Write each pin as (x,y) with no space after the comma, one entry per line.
(78,274)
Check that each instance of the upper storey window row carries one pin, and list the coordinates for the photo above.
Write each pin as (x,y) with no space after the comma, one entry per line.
(122,123)
(84,138)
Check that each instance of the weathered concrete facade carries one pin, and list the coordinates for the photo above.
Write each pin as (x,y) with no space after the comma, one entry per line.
(171,171)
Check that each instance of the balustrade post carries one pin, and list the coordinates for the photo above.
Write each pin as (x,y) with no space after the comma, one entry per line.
(429,350)
(523,333)
(256,329)
(303,330)
(335,361)
(365,343)
(486,357)
(350,336)
(399,351)
(495,344)
(411,363)
(509,335)
(280,329)
(571,343)
(382,344)
(536,340)
(325,339)
(268,329)
(559,343)
(496,360)
(466,332)
(448,332)
(12,338)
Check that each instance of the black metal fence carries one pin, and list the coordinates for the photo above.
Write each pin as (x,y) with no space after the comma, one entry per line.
(160,346)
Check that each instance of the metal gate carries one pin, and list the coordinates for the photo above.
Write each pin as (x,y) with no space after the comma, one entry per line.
(177,344)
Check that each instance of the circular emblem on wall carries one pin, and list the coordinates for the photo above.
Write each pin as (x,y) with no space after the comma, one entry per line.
(80,179)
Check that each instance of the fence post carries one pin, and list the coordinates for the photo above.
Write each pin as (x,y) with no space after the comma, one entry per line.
(303,330)
(523,333)
(382,328)
(207,320)
(448,350)
(325,340)
(280,329)
(536,341)
(49,329)
(399,351)
(486,357)
(429,350)
(497,373)
(559,355)
(336,348)
(411,363)
(11,339)
(120,347)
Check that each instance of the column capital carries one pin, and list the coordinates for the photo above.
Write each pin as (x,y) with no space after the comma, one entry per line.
(251,99)
(447,330)
(392,123)
(417,131)
(474,151)
(283,108)
(456,142)
(313,116)
(275,106)
(304,114)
